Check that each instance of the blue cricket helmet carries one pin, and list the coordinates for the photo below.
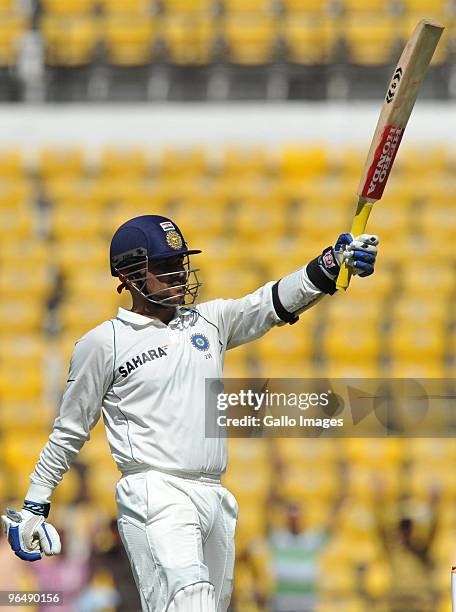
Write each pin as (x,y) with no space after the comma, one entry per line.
(151,236)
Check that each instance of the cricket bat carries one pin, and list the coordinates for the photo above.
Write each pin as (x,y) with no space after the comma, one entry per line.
(397,107)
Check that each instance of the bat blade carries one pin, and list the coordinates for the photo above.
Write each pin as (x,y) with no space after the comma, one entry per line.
(398,104)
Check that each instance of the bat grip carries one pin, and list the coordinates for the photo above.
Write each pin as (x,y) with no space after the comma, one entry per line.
(357,228)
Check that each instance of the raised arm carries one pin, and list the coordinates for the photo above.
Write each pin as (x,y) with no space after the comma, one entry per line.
(276,303)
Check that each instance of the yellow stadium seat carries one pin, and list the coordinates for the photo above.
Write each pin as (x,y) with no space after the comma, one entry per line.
(253,487)
(257,7)
(381,285)
(419,308)
(101,486)
(353,7)
(438,279)
(250,41)
(356,520)
(124,164)
(129,39)
(96,452)
(338,603)
(437,219)
(286,344)
(189,40)
(261,216)
(70,41)
(391,221)
(371,453)
(433,452)
(228,282)
(195,220)
(68,7)
(370,40)
(363,480)
(309,222)
(98,282)
(315,484)
(20,383)
(309,40)
(436,11)
(79,317)
(60,164)
(234,368)
(306,452)
(14,195)
(21,316)
(16,252)
(352,342)
(298,161)
(21,452)
(20,280)
(249,452)
(340,311)
(349,368)
(237,161)
(418,344)
(424,6)
(315,7)
(424,480)
(183,7)
(12,27)
(22,415)
(127,7)
(251,525)
(12,164)
(409,367)
(87,254)
(429,159)
(18,348)
(70,224)
(69,489)
(188,163)
(7,6)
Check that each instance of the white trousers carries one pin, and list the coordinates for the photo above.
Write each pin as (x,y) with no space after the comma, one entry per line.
(177,532)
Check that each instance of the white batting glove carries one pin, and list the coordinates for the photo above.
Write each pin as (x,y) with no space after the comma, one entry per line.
(359,253)
(30,535)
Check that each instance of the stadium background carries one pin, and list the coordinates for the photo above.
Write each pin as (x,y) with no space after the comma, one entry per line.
(247,121)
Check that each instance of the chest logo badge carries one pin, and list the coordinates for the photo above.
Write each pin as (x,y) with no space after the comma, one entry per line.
(200,342)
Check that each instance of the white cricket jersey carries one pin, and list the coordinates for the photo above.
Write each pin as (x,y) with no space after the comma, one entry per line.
(148,380)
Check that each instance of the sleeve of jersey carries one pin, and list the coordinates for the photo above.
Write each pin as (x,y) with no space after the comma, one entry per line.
(276,303)
(89,377)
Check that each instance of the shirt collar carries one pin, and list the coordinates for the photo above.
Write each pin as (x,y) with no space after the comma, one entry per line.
(137,319)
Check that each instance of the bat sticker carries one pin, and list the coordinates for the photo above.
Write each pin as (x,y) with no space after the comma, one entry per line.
(394,83)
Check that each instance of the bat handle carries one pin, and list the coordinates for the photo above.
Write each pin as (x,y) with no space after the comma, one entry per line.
(357,228)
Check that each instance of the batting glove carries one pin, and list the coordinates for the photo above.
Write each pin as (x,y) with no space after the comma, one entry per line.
(359,254)
(28,532)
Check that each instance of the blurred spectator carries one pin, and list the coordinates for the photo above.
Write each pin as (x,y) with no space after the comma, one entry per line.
(67,572)
(15,575)
(295,551)
(408,550)
(118,585)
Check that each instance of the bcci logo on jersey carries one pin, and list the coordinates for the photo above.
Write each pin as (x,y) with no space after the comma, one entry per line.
(200,342)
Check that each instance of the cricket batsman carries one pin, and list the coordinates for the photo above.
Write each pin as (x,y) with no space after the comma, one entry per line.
(144,371)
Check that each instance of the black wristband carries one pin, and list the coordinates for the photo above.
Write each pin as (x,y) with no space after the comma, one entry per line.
(282,313)
(319,278)
(37,508)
